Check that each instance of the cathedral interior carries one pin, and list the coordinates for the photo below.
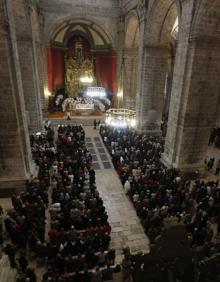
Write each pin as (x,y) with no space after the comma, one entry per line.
(109,140)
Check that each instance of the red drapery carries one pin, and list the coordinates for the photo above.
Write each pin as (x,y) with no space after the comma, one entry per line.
(105,68)
(56,68)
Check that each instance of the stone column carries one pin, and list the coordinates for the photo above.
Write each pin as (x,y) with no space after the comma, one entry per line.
(193,107)
(140,60)
(151,100)
(169,81)
(118,101)
(15,153)
(38,26)
(195,91)
(28,62)
(130,77)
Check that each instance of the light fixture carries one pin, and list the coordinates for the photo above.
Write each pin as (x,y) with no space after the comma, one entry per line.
(46,92)
(120,93)
(121,118)
(86,79)
(96,92)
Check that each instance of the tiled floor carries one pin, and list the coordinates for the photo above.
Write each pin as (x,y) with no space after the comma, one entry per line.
(126,227)
(100,156)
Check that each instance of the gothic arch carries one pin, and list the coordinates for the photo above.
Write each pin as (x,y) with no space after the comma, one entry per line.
(206,21)
(96,27)
(132,31)
(161,18)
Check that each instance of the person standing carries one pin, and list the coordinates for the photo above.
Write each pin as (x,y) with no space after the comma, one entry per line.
(95,123)
(68,115)
(210,163)
(23,263)
(217,168)
(10,251)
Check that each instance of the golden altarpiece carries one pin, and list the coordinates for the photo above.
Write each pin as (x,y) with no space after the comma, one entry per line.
(76,68)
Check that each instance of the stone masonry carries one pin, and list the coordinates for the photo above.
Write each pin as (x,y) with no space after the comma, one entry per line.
(194,95)
(26,37)
(15,155)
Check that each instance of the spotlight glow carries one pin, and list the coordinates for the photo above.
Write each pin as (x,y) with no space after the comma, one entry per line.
(121,118)
(46,92)
(86,79)
(96,92)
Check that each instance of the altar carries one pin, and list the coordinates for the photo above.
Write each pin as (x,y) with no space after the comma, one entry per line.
(84,106)
(85,109)
(80,93)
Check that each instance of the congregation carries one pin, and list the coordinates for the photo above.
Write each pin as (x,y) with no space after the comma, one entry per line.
(76,245)
(162,196)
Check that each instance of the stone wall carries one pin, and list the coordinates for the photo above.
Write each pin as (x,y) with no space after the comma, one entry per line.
(130,77)
(28,39)
(15,155)
(195,88)
(104,13)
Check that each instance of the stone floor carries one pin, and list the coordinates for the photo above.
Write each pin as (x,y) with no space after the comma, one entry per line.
(126,227)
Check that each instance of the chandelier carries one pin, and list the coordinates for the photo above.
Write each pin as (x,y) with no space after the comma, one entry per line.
(98,92)
(121,118)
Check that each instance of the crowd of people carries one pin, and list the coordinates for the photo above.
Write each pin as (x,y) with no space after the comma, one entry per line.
(75,246)
(162,196)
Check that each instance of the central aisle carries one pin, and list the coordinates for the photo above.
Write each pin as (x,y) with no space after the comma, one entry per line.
(126,227)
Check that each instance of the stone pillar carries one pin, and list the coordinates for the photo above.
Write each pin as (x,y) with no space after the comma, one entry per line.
(130,77)
(195,91)
(38,26)
(151,100)
(15,153)
(168,84)
(28,62)
(118,100)
(140,77)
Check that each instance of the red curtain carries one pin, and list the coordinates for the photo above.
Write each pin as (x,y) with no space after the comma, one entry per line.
(105,67)
(56,68)
(106,71)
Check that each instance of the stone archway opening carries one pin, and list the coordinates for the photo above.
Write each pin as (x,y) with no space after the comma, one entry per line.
(158,51)
(97,52)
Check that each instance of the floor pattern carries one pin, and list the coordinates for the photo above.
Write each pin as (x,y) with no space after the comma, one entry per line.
(126,227)
(100,156)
